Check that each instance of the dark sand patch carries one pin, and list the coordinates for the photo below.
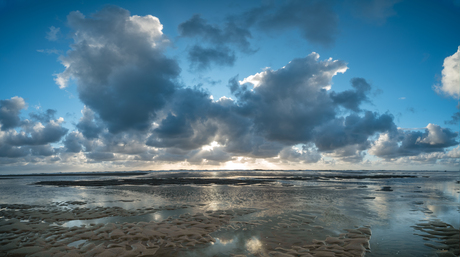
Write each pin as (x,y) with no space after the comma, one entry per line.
(209,181)
(79,174)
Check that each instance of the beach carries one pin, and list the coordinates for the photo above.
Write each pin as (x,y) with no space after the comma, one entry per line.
(231,213)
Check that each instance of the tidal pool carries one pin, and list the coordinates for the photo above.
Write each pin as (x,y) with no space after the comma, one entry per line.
(232,213)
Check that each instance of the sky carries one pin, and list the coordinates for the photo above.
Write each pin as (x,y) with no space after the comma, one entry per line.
(159,85)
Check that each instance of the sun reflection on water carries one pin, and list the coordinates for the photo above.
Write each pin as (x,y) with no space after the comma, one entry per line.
(254,245)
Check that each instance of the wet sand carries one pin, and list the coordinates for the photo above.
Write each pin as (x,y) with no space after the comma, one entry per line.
(41,234)
(231,214)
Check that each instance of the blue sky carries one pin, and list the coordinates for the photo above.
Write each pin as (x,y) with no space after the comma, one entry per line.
(145,85)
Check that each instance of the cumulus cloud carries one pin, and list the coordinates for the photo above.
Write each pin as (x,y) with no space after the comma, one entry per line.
(118,63)
(9,112)
(413,143)
(450,82)
(23,138)
(90,125)
(351,99)
(36,133)
(290,102)
(73,142)
(352,130)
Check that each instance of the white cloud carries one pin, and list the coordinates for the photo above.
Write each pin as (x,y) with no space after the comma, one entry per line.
(450,76)
(454,153)
(435,135)
(255,79)
(384,146)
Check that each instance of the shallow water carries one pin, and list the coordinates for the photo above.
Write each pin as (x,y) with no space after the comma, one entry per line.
(390,206)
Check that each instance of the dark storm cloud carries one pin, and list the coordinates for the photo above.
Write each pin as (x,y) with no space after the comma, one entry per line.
(9,112)
(316,20)
(455,119)
(352,99)
(412,143)
(119,66)
(203,58)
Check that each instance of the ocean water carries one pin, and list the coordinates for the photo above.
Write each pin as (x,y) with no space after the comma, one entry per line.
(334,200)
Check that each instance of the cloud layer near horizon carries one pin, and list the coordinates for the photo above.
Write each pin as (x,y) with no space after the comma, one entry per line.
(137,111)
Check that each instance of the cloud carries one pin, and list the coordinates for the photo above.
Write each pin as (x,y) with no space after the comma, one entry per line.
(230,34)
(73,142)
(410,109)
(351,99)
(9,112)
(352,130)
(44,117)
(413,143)
(450,76)
(23,138)
(290,102)
(213,46)
(307,154)
(455,119)
(89,125)
(99,156)
(36,133)
(118,63)
(316,20)
(137,111)
(454,153)
(53,33)
(188,123)
(202,58)
(374,10)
